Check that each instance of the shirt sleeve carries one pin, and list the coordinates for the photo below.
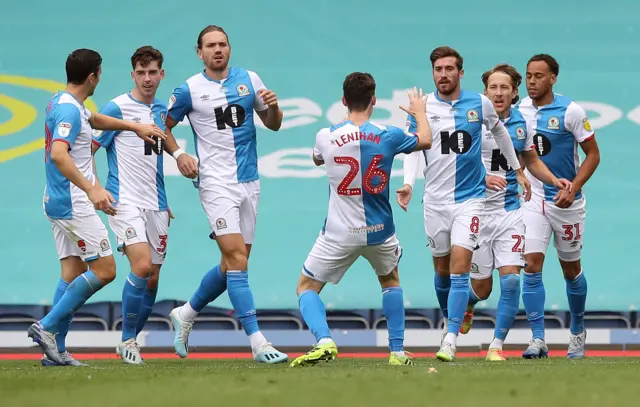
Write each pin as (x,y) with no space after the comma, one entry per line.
(528,142)
(321,140)
(68,123)
(577,122)
(410,167)
(258,85)
(403,141)
(180,103)
(489,115)
(503,140)
(105,138)
(411,126)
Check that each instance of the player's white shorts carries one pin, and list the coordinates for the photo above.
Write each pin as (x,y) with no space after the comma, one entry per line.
(232,208)
(542,218)
(83,236)
(456,224)
(328,261)
(135,225)
(501,243)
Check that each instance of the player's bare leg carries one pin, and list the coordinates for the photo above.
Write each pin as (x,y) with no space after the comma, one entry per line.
(577,296)
(480,291)
(458,300)
(393,308)
(133,292)
(101,272)
(507,310)
(442,284)
(315,316)
(533,298)
(72,267)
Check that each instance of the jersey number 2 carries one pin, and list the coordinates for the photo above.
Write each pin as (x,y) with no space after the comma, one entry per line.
(372,171)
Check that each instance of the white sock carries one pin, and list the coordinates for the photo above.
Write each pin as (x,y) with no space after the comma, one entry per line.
(323,341)
(187,313)
(256,339)
(399,354)
(451,338)
(496,343)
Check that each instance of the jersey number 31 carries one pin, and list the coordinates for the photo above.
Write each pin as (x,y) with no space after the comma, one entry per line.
(372,171)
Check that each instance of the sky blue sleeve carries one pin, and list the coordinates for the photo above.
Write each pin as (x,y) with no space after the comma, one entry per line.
(180,102)
(411,125)
(105,138)
(67,123)
(403,141)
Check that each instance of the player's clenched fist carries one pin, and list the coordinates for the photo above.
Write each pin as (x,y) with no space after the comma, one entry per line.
(268,97)
(188,166)
(102,200)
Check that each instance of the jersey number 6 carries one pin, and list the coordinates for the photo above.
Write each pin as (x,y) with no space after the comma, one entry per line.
(372,171)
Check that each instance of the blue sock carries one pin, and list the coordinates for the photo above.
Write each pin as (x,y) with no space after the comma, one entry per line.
(78,292)
(508,304)
(443,285)
(314,314)
(242,300)
(533,298)
(458,300)
(473,297)
(577,295)
(213,284)
(393,307)
(63,327)
(132,294)
(147,304)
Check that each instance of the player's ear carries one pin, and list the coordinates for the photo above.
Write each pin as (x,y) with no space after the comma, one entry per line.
(553,79)
(133,75)
(162,74)
(461,73)
(344,101)
(373,100)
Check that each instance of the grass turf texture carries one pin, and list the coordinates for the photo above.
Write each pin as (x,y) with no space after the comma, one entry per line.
(344,382)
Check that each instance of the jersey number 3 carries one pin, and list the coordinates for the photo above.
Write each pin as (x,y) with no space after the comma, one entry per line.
(372,171)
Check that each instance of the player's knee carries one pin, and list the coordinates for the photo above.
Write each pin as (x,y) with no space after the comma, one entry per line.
(482,288)
(390,280)
(570,269)
(152,283)
(236,260)
(510,282)
(142,267)
(533,264)
(105,269)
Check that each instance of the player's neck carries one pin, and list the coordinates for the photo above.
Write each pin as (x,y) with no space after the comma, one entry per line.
(358,118)
(504,114)
(147,100)
(543,101)
(217,75)
(79,92)
(455,95)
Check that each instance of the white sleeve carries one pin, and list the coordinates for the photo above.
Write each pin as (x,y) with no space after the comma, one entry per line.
(503,140)
(258,104)
(410,167)
(321,139)
(577,122)
(528,142)
(489,115)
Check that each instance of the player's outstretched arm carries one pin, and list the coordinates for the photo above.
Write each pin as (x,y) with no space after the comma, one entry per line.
(100,198)
(539,170)
(272,116)
(187,165)
(146,132)
(418,111)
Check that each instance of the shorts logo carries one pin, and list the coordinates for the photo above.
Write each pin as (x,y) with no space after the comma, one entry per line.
(130,233)
(553,123)
(104,245)
(82,246)
(473,237)
(243,90)
(64,129)
(586,124)
(474,268)
(472,116)
(520,134)
(221,223)
(432,244)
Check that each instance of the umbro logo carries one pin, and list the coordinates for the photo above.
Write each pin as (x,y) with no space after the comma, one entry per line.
(204,98)
(137,119)
(435,119)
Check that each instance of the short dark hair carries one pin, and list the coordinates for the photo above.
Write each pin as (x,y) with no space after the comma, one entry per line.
(443,52)
(551,62)
(516,78)
(358,89)
(209,29)
(145,55)
(80,64)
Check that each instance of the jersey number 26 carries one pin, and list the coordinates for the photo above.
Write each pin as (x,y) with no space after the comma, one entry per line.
(372,171)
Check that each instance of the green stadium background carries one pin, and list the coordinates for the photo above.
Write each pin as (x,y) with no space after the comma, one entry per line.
(303,50)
